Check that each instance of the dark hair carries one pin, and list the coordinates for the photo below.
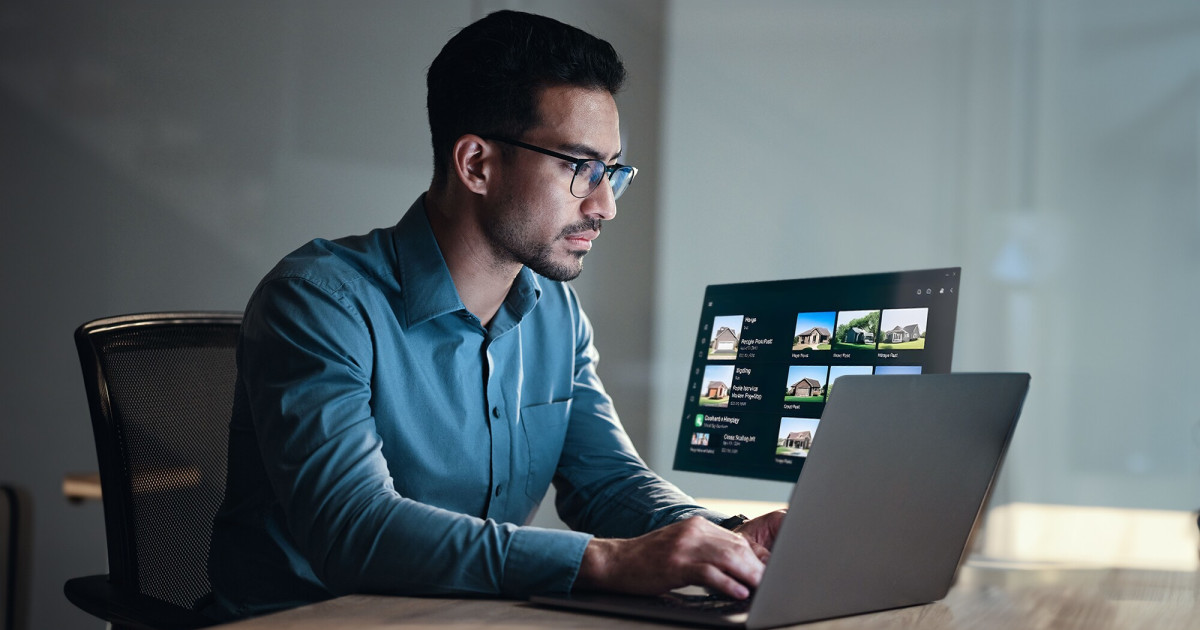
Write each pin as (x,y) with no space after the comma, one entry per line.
(487,77)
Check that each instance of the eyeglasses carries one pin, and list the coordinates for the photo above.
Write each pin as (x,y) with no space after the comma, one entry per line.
(588,173)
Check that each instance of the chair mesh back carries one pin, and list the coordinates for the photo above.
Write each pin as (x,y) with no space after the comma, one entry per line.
(170,392)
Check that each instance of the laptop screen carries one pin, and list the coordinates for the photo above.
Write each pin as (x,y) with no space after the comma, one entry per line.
(768,356)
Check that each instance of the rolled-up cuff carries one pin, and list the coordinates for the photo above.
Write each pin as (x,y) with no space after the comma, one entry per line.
(542,561)
(710,515)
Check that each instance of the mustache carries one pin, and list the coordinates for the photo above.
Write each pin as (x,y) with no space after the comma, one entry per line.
(587,225)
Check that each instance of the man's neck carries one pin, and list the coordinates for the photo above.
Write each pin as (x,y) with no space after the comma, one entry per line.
(480,277)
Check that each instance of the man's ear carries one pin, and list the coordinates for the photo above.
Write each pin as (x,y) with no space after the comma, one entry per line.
(473,159)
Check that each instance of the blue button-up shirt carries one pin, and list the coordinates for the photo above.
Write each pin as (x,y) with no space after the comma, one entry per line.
(383,440)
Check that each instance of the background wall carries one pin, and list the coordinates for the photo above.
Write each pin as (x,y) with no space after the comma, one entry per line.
(164,155)
(1050,149)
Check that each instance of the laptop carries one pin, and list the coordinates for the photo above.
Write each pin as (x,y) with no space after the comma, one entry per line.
(882,516)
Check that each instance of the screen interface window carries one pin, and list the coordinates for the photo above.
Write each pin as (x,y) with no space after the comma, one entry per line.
(767,357)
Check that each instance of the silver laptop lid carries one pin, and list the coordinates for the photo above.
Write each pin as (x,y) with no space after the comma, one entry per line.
(896,479)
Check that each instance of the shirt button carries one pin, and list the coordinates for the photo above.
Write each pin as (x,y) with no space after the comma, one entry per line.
(499,488)
(495,412)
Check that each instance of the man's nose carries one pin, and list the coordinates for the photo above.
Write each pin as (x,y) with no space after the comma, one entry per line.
(601,204)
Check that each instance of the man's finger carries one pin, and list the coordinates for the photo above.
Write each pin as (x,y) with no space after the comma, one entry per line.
(712,577)
(762,552)
(740,562)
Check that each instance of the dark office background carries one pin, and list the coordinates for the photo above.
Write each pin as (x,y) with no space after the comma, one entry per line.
(163,155)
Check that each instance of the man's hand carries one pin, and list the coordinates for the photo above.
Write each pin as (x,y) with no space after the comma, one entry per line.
(690,552)
(761,531)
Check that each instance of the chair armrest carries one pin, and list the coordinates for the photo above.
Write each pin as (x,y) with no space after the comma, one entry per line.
(97,596)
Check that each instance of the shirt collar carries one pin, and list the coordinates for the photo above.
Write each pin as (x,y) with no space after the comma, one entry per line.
(521,299)
(427,289)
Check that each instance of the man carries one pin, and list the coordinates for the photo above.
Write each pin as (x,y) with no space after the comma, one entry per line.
(406,397)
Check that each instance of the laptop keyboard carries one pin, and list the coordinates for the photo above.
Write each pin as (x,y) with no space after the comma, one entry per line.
(714,603)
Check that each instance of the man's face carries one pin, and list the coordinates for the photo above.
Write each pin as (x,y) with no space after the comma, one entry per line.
(535,220)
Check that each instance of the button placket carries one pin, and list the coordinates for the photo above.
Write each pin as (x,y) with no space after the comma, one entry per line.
(501,434)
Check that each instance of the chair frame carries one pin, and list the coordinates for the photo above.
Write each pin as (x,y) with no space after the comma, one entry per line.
(115,596)
(11,555)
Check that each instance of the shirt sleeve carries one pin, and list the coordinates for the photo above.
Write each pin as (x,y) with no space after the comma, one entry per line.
(602,485)
(306,364)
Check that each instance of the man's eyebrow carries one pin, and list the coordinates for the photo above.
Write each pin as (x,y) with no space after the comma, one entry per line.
(588,152)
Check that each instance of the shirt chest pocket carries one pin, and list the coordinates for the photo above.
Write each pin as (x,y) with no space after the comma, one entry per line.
(545,429)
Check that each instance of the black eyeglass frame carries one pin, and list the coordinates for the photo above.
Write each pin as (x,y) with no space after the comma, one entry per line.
(579,164)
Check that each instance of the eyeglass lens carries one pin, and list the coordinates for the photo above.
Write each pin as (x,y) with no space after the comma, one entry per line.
(588,176)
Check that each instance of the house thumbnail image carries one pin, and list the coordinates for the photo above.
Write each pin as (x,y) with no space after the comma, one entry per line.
(795,436)
(798,440)
(806,383)
(726,335)
(813,331)
(725,341)
(856,330)
(858,335)
(805,387)
(900,335)
(903,328)
(714,388)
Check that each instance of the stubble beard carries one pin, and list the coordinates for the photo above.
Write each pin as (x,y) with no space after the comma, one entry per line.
(511,243)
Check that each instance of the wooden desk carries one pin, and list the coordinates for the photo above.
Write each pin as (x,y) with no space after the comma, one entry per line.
(985,597)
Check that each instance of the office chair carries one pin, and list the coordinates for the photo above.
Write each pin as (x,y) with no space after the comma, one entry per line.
(11,530)
(160,391)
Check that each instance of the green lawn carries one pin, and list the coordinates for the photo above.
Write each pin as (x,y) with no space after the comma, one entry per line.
(791,452)
(796,399)
(852,346)
(714,402)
